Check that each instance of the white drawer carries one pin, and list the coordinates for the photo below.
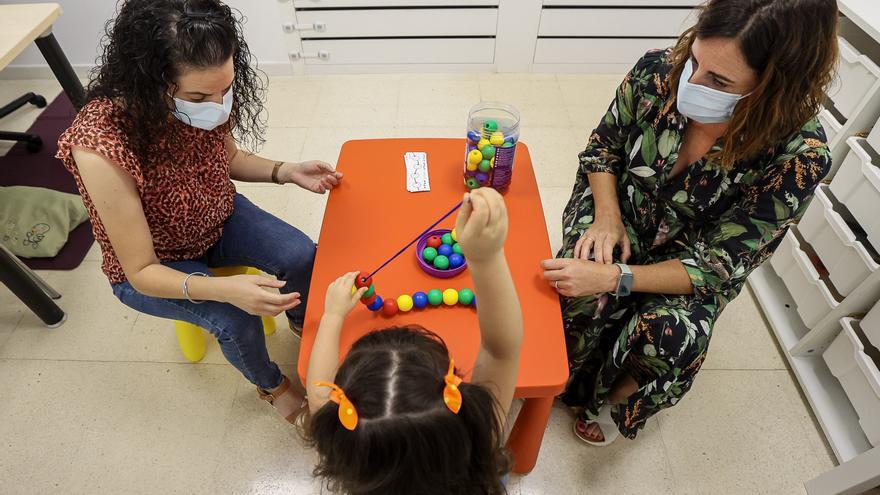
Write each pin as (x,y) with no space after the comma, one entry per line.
(830,124)
(595,50)
(413,51)
(615,22)
(624,3)
(858,374)
(812,295)
(874,138)
(375,23)
(857,79)
(326,4)
(871,325)
(827,229)
(857,186)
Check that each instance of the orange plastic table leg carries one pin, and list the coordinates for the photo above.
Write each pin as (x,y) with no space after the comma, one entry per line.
(528,433)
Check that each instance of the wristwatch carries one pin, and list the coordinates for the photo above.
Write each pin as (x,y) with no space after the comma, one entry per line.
(625,282)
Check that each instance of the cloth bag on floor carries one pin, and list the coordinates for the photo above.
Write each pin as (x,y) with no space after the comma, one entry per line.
(35,222)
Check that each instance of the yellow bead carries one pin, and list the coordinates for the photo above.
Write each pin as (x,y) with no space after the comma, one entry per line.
(475,157)
(353,290)
(405,303)
(450,297)
(497,139)
(492,162)
(483,143)
(472,167)
(454,236)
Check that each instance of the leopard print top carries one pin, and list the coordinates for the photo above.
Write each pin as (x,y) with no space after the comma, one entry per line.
(185,203)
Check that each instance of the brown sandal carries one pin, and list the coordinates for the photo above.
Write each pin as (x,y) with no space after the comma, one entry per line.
(284,388)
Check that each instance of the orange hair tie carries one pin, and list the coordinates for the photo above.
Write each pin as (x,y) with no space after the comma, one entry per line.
(451,393)
(348,415)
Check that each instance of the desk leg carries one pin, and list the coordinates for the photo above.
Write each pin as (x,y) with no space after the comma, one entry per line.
(528,433)
(24,285)
(60,66)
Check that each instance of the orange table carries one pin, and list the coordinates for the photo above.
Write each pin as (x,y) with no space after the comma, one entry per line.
(371,215)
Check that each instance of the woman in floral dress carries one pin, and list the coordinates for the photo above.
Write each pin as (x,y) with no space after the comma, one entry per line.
(709,151)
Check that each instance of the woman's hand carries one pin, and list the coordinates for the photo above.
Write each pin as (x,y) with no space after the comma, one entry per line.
(606,232)
(247,293)
(340,300)
(313,175)
(481,226)
(577,278)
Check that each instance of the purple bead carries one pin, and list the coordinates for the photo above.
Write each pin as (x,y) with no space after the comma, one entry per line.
(420,300)
(455,260)
(377,304)
(445,250)
(482,178)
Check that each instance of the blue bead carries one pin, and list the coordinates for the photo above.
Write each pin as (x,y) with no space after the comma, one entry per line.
(445,250)
(455,260)
(420,300)
(474,136)
(377,304)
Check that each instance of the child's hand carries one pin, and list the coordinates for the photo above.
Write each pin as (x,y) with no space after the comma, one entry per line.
(340,300)
(481,226)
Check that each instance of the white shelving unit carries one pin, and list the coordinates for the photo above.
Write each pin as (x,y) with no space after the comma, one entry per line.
(854,108)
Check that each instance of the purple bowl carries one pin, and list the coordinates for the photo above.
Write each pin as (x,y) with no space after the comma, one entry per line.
(429,268)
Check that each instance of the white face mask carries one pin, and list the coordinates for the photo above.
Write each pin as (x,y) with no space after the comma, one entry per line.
(705,105)
(205,115)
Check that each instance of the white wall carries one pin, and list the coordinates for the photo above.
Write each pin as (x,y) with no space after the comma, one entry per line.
(81,26)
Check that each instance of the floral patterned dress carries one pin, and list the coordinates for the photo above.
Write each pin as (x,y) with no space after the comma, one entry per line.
(721,224)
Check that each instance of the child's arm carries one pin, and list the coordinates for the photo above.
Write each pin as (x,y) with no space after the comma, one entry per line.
(482,230)
(324,358)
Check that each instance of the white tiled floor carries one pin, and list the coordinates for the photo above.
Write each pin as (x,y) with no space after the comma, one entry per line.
(107,404)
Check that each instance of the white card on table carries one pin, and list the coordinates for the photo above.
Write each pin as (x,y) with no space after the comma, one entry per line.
(417,179)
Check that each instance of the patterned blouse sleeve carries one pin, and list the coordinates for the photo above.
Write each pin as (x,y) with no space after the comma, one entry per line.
(721,257)
(605,149)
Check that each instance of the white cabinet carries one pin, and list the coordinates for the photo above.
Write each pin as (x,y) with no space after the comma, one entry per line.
(617,23)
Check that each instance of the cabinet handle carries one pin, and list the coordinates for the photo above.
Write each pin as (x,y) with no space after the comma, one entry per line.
(321,55)
(292,27)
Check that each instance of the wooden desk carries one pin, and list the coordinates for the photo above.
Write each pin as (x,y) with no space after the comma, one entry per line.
(371,215)
(19,25)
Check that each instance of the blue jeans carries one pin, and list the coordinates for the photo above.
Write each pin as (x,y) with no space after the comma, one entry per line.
(251,237)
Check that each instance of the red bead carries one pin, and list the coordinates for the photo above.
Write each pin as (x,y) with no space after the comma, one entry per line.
(370,299)
(363,280)
(434,241)
(389,307)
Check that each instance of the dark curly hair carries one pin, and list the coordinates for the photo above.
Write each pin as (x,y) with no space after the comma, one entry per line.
(407,441)
(151,42)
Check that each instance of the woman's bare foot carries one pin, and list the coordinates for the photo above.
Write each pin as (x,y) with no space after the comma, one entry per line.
(589,431)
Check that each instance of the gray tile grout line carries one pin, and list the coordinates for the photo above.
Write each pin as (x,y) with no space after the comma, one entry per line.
(666,456)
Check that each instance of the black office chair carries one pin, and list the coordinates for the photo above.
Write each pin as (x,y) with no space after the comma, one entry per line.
(34,143)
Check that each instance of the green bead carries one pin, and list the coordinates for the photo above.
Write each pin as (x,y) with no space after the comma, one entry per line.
(485,166)
(490,125)
(429,254)
(456,248)
(435,297)
(466,296)
(508,144)
(488,152)
(446,238)
(472,183)
(369,291)
(441,262)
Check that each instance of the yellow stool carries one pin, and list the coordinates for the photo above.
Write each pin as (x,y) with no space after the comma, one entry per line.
(192,337)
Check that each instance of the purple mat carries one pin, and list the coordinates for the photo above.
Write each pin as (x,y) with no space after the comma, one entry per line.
(22,168)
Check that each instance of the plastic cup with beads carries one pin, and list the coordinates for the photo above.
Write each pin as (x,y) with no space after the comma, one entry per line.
(493,131)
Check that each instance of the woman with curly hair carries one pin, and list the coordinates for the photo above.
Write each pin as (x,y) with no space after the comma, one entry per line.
(154,156)
(708,153)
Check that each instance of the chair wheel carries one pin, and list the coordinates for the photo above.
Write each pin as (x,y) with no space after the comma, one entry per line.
(34,145)
(38,101)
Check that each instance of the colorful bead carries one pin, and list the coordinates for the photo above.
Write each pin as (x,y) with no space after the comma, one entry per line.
(429,254)
(377,304)
(466,296)
(472,167)
(472,183)
(456,248)
(363,280)
(475,157)
(490,125)
(450,297)
(455,260)
(508,144)
(474,136)
(435,297)
(441,262)
(444,250)
(484,166)
(483,143)
(405,303)
(454,235)
(434,241)
(487,153)
(482,178)
(497,139)
(447,239)
(370,300)
(369,293)
(389,307)
(420,300)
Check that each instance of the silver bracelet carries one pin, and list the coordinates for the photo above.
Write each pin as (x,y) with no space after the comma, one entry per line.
(186,289)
